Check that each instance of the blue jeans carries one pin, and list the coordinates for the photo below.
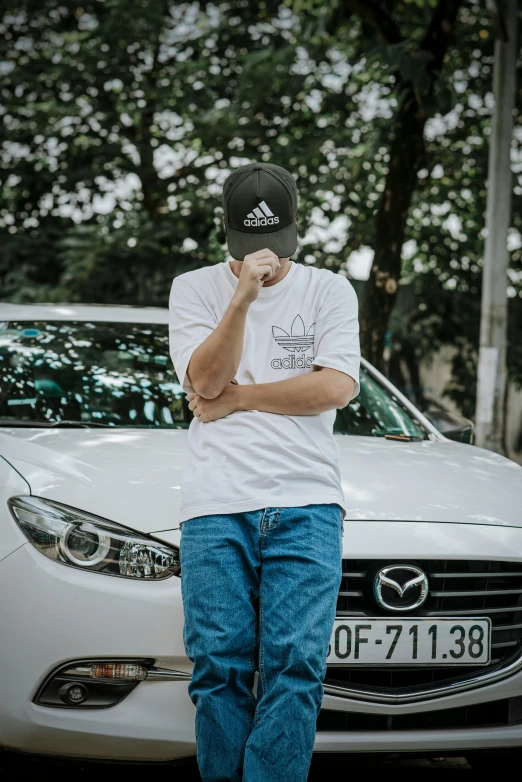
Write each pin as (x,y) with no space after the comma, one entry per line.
(259,593)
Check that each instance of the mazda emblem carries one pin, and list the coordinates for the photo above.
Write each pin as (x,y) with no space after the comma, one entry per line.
(416,584)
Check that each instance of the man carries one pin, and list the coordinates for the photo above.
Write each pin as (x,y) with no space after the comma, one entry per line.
(267,349)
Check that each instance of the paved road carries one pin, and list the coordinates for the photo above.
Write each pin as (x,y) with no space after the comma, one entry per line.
(20,768)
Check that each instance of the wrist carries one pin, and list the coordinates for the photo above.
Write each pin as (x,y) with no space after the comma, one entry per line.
(240,397)
(239,304)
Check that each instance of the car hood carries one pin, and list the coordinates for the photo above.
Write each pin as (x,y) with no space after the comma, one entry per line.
(133,477)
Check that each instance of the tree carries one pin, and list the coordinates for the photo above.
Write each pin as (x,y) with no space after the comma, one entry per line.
(112,168)
(90,96)
(415,55)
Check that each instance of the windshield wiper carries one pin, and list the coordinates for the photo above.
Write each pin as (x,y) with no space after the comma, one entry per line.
(66,424)
(80,424)
(405,438)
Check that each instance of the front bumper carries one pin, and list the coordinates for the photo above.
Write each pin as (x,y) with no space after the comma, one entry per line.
(54,614)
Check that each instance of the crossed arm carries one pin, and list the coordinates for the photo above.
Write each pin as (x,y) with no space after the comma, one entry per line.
(214,364)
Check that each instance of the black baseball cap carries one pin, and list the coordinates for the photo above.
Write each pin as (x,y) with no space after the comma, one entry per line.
(260,206)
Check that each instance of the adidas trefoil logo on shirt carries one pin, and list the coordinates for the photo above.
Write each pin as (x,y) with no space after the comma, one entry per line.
(298,341)
(261,215)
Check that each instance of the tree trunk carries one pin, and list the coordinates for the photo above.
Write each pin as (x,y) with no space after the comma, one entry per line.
(405,157)
(381,289)
(151,185)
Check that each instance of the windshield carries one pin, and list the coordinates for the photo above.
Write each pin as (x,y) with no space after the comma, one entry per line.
(121,374)
(376,413)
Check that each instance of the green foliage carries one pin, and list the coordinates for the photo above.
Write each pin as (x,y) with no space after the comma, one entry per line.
(119,124)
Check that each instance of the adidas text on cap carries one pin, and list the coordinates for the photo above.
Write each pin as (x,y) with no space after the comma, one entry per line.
(260,206)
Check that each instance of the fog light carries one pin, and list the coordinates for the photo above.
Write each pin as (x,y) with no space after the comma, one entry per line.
(74,693)
(92,684)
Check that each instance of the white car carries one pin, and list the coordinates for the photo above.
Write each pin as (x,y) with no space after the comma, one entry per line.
(426,653)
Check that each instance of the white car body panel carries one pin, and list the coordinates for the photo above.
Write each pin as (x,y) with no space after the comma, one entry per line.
(101,472)
(11,484)
(406,500)
(400,540)
(90,312)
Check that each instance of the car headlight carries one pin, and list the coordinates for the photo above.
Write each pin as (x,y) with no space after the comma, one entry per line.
(82,540)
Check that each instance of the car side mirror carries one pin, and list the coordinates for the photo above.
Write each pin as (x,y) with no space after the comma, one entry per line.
(451,424)
(462,434)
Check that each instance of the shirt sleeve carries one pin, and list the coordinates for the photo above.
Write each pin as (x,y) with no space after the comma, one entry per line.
(190,323)
(337,331)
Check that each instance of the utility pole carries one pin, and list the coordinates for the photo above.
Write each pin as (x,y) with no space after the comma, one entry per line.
(492,374)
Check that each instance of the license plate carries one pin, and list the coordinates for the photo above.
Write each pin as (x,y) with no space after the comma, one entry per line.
(422,641)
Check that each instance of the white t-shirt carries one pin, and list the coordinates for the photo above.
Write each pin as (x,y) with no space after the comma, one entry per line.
(250,459)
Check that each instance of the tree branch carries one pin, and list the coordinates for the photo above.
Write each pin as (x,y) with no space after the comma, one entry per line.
(496,11)
(387,30)
(439,32)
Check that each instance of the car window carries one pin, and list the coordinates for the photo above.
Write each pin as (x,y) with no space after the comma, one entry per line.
(121,374)
(111,373)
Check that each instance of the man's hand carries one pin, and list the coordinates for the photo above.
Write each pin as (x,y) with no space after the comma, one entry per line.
(256,268)
(219,407)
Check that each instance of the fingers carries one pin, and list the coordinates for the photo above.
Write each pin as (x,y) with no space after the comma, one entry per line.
(266,271)
(264,253)
(272,259)
(269,264)
(194,406)
(263,258)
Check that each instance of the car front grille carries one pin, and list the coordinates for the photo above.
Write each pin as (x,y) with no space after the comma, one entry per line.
(493,714)
(457,588)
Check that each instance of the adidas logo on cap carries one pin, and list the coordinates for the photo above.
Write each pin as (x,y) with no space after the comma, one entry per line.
(261,215)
